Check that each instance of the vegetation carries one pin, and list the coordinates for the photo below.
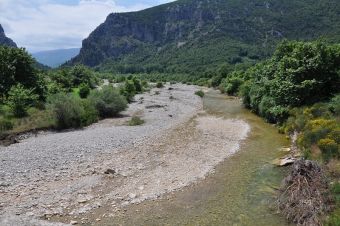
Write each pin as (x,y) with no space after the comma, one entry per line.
(16,67)
(108,101)
(20,99)
(200,93)
(71,112)
(159,85)
(62,98)
(136,121)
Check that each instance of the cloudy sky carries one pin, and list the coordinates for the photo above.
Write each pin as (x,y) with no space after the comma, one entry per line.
(54,24)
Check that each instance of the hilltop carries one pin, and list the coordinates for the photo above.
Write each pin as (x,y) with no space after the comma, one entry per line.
(192,35)
(4,40)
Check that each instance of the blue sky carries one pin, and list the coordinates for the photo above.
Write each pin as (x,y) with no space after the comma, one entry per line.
(53,24)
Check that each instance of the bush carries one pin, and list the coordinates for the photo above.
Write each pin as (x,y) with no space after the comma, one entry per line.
(20,99)
(329,148)
(334,105)
(84,90)
(90,114)
(72,112)
(138,85)
(200,93)
(129,90)
(108,102)
(159,85)
(136,121)
(299,73)
(145,84)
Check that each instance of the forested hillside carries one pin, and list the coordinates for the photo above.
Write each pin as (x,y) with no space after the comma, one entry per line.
(191,36)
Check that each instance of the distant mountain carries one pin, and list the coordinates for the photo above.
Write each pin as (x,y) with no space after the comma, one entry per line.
(55,58)
(197,35)
(4,40)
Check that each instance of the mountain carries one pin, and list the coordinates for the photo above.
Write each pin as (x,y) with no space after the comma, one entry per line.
(4,40)
(197,35)
(55,58)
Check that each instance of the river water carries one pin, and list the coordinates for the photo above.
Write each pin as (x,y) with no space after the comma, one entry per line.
(241,190)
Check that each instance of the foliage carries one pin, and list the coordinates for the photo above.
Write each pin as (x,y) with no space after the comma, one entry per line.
(20,99)
(16,66)
(200,93)
(159,85)
(329,148)
(84,90)
(71,112)
(136,121)
(298,74)
(137,84)
(129,90)
(82,75)
(108,101)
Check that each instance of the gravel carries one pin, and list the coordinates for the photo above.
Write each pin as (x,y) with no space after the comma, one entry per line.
(76,172)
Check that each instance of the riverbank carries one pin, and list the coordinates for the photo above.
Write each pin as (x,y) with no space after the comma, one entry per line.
(66,176)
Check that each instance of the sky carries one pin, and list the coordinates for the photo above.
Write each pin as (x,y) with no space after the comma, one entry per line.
(40,25)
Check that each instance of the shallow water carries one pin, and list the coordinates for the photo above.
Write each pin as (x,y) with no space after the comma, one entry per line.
(240,191)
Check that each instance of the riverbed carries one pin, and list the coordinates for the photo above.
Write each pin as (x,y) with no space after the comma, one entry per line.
(200,164)
(241,191)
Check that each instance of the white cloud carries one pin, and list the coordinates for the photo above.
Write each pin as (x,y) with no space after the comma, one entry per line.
(43,25)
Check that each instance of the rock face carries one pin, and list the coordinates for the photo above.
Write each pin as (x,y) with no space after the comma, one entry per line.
(4,40)
(205,32)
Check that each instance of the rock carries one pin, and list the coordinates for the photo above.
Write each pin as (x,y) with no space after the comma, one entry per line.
(285,161)
(110,171)
(285,150)
(132,196)
(74,222)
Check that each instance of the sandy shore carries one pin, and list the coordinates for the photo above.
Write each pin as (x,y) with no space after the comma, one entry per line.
(71,174)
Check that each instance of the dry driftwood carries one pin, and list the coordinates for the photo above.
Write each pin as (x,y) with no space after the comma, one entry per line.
(303,196)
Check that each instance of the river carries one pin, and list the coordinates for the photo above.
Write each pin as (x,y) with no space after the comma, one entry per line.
(241,191)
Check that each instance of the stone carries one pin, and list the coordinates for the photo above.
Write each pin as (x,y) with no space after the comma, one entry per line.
(110,171)
(285,161)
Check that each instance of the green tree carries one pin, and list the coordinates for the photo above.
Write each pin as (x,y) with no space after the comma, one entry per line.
(16,66)
(20,99)
(299,73)
(82,75)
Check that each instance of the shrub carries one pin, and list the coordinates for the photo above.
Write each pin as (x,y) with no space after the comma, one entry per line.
(129,90)
(20,99)
(329,148)
(138,85)
(90,114)
(145,84)
(136,121)
(84,90)
(159,85)
(200,93)
(71,112)
(334,105)
(108,102)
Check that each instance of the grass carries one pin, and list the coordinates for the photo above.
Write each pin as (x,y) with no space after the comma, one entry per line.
(136,121)
(36,120)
